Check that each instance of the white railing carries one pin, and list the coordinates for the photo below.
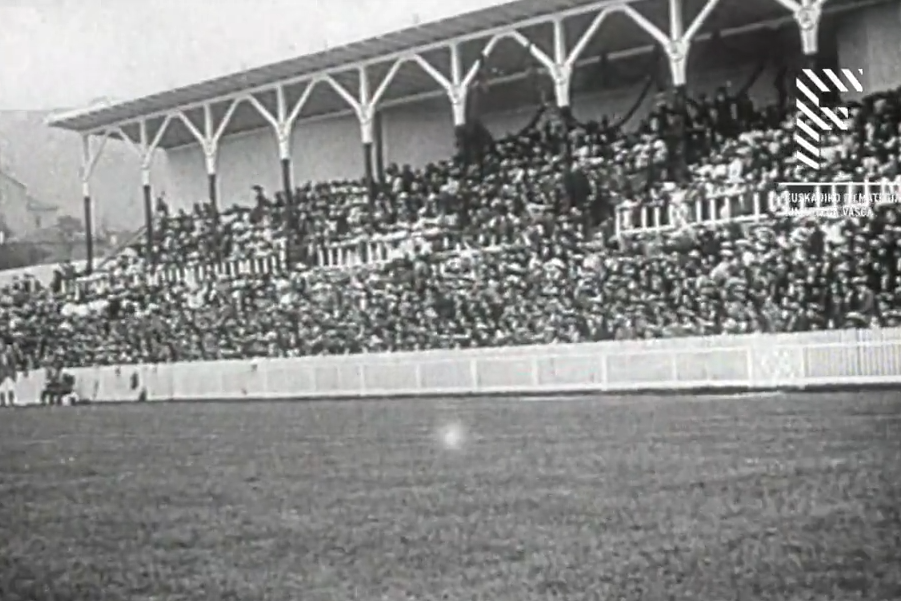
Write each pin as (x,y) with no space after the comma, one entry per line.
(376,250)
(827,199)
(747,362)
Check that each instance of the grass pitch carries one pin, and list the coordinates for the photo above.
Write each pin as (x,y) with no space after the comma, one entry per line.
(795,497)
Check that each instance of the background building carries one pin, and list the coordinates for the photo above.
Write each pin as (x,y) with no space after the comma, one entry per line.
(21,213)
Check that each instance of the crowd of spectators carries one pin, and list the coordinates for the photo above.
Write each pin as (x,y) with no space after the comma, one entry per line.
(513,250)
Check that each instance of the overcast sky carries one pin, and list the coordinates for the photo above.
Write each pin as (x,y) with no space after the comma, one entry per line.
(69,53)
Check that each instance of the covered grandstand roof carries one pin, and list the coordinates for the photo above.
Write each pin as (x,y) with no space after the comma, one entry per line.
(534,17)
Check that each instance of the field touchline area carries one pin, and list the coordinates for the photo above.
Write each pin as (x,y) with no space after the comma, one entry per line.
(779,498)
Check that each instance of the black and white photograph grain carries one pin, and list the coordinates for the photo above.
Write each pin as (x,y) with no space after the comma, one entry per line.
(450,300)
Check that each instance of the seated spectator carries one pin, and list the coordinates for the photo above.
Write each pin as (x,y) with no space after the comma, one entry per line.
(512,253)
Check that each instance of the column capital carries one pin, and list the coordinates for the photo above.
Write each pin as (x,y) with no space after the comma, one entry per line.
(366,113)
(458,92)
(562,72)
(457,95)
(562,76)
(677,49)
(367,130)
(458,109)
(210,162)
(808,18)
(677,52)
(209,148)
(283,138)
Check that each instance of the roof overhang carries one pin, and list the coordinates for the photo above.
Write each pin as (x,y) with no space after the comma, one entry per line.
(432,42)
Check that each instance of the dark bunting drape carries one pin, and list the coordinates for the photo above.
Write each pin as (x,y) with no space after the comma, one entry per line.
(474,139)
(537,96)
(733,104)
(648,73)
(474,142)
(718,45)
(595,206)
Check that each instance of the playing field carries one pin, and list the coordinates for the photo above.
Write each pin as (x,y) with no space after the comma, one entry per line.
(792,497)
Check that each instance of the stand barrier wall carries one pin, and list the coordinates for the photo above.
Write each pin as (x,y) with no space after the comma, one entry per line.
(744,362)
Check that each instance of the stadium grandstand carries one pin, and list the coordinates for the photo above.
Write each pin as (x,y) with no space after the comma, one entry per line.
(536,172)
(611,203)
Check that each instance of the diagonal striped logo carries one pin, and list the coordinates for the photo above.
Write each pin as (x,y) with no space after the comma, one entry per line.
(813,119)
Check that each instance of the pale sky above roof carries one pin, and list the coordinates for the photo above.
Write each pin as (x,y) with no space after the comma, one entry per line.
(57,54)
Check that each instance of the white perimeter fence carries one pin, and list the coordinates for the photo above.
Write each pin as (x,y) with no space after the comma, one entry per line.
(746,362)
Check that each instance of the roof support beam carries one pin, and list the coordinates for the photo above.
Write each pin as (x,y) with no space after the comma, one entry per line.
(676,48)
(283,121)
(342,91)
(676,43)
(556,67)
(434,73)
(263,111)
(145,146)
(155,142)
(457,92)
(699,21)
(212,134)
(302,102)
(145,149)
(676,21)
(559,42)
(637,51)
(364,106)
(486,52)
(89,158)
(443,44)
(226,119)
(456,64)
(539,55)
(586,38)
(808,17)
(128,139)
(460,83)
(358,105)
(389,77)
(453,87)
(806,14)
